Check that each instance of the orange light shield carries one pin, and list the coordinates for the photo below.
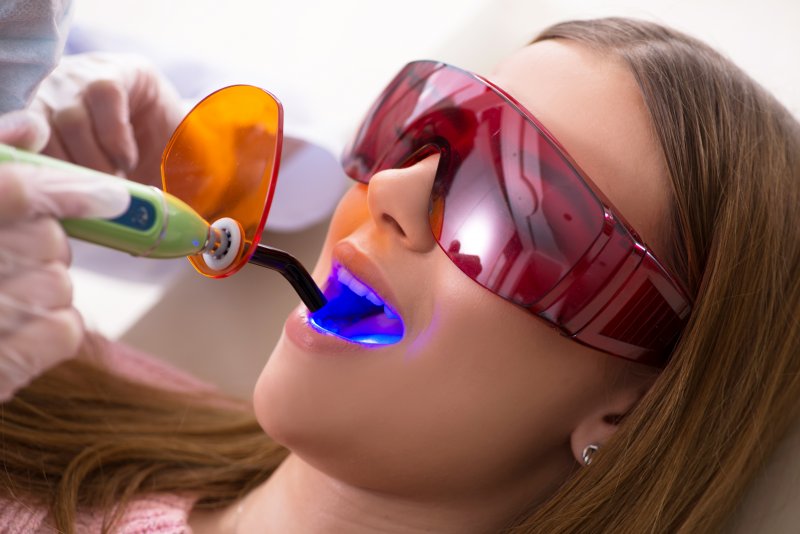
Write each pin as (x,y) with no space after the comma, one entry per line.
(223,161)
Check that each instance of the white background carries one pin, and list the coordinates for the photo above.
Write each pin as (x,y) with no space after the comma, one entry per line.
(338,54)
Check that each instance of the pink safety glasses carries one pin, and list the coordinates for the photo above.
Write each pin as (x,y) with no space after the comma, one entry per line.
(514,212)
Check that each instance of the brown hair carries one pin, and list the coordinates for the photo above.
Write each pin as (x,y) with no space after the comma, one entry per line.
(679,462)
(83,437)
(682,459)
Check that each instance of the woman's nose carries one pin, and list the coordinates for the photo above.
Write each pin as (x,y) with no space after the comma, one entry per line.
(399,201)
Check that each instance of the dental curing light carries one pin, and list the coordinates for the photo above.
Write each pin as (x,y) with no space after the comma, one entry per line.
(156,224)
(160,225)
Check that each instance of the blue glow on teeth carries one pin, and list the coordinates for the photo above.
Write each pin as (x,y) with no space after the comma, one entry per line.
(356,313)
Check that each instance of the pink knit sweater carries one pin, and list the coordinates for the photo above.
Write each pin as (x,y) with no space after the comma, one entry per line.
(147,515)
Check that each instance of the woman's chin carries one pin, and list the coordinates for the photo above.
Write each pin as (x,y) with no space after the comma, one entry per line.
(277,409)
(295,398)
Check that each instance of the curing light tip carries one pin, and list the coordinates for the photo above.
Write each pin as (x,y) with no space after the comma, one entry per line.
(224,243)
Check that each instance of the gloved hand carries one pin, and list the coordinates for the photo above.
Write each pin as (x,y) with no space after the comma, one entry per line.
(39,327)
(110,112)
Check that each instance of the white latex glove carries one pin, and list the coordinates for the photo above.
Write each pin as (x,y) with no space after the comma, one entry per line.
(110,112)
(39,327)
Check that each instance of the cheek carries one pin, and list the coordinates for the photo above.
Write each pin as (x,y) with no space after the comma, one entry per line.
(506,384)
(351,212)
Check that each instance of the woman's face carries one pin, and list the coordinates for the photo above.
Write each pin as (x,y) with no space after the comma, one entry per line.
(479,394)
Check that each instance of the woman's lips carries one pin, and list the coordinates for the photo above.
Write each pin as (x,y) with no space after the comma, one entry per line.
(298,327)
(300,331)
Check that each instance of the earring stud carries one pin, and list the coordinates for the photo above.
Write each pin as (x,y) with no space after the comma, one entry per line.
(588,453)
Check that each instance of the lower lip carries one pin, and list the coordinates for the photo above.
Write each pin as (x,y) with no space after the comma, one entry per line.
(305,336)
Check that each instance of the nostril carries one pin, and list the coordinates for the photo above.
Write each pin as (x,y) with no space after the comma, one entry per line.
(388,219)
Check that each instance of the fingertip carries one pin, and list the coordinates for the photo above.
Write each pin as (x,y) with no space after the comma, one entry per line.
(32,191)
(82,141)
(107,102)
(24,129)
(46,341)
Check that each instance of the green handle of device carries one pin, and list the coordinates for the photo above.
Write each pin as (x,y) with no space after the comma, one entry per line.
(156,224)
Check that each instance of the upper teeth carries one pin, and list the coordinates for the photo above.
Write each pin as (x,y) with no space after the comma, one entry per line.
(346,278)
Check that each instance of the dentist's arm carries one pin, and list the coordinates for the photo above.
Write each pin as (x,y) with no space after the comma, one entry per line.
(39,327)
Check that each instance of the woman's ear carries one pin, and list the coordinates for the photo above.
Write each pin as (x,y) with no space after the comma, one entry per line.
(601,421)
